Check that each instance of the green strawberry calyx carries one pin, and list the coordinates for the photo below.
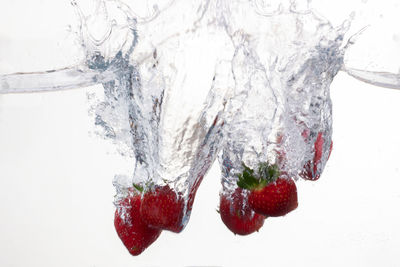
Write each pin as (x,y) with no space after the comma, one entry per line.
(251,180)
(138,187)
(144,187)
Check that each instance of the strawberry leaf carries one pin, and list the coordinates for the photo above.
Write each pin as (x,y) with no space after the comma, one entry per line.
(138,187)
(247,180)
(266,174)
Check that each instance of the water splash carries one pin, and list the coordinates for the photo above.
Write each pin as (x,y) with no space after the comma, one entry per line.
(261,94)
(164,110)
(53,80)
(282,69)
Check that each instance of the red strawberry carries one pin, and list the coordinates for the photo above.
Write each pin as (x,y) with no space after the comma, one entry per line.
(269,195)
(310,171)
(134,233)
(276,199)
(237,215)
(162,208)
(165,209)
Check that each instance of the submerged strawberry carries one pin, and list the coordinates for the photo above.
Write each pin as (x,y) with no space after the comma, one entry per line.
(163,208)
(135,234)
(270,195)
(275,199)
(310,171)
(237,215)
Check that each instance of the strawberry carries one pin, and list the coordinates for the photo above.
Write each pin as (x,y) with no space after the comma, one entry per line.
(275,199)
(270,195)
(237,215)
(163,208)
(133,232)
(310,171)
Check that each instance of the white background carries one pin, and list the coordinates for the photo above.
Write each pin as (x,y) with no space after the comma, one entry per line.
(56,193)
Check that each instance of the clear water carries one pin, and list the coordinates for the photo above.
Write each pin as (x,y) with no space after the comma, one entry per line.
(262,90)
(281,95)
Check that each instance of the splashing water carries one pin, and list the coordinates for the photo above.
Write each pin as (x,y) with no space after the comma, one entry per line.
(281,100)
(184,80)
(161,108)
